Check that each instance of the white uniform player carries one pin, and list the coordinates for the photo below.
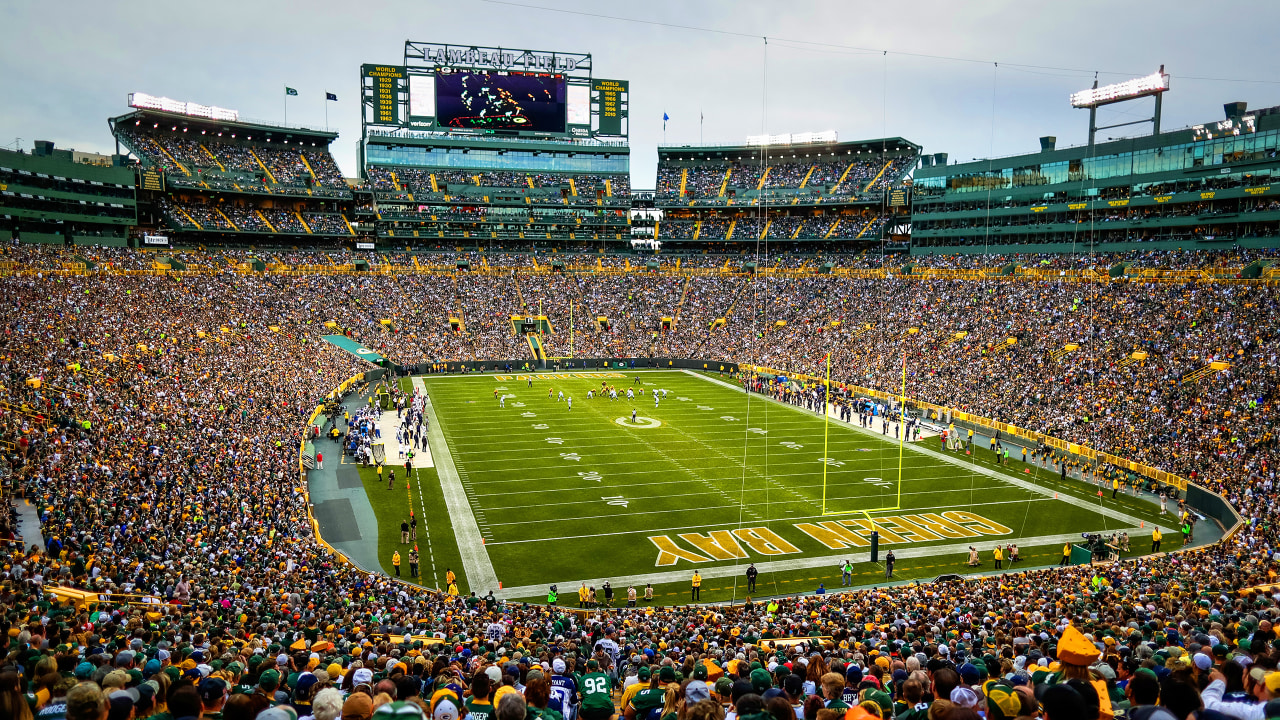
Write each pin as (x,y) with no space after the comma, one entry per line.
(570,402)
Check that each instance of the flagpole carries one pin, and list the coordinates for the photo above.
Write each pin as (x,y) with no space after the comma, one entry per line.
(326,109)
(286,105)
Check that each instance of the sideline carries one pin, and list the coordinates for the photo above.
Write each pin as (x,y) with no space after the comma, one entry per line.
(824,561)
(476,565)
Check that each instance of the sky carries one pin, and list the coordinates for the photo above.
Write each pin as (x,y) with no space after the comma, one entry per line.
(973,79)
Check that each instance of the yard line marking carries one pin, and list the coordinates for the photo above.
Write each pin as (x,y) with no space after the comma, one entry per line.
(633,498)
(475,557)
(951,506)
(972,467)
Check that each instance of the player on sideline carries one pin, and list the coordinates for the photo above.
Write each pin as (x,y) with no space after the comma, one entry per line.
(633,415)
(570,402)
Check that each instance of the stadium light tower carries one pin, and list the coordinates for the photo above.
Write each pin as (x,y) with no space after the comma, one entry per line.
(1155,84)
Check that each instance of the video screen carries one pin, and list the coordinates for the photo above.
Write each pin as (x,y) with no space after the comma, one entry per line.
(490,101)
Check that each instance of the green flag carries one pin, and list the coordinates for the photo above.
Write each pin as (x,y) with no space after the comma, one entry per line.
(289,91)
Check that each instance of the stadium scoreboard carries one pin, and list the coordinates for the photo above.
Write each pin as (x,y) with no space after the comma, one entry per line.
(383,88)
(152,180)
(610,100)
(489,90)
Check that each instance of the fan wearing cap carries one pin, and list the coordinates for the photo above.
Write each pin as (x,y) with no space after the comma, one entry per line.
(597,698)
(213,695)
(644,677)
(647,704)
(563,688)
(1265,692)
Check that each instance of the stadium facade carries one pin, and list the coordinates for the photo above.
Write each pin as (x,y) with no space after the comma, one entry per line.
(1209,186)
(60,196)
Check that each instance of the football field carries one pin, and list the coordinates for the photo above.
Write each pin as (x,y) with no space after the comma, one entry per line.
(532,492)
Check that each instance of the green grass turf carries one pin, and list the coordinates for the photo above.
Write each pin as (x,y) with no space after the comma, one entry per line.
(542,478)
(437,549)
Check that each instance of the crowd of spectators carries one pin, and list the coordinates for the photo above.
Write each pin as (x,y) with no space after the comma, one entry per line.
(742,179)
(163,464)
(224,162)
(170,472)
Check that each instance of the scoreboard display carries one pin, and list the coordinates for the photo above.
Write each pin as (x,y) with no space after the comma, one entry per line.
(152,180)
(609,99)
(384,85)
(486,90)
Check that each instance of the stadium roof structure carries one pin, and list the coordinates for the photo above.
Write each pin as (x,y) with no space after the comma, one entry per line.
(745,151)
(1258,121)
(253,130)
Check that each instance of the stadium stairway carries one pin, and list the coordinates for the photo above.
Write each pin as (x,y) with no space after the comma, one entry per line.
(263,165)
(224,217)
(213,157)
(877,177)
(843,175)
(1204,372)
(807,175)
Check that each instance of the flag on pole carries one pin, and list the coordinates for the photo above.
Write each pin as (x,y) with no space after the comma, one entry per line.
(330,96)
(289,91)
(665,118)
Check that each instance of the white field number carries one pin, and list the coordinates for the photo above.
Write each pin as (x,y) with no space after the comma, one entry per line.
(555,441)
(789,444)
(591,475)
(571,456)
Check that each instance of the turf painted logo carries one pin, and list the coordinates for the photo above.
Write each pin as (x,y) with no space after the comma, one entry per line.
(721,545)
(740,543)
(641,423)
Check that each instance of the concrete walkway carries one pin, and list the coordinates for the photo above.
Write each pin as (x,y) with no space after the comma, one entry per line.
(340,503)
(28,523)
